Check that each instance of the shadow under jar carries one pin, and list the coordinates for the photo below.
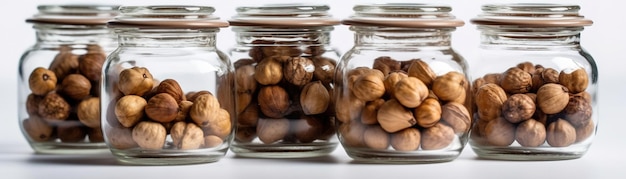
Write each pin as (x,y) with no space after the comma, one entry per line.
(284,67)
(402,92)
(59,78)
(167,94)
(535,88)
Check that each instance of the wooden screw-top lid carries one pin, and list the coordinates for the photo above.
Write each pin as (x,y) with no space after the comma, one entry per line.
(168,17)
(403,15)
(532,15)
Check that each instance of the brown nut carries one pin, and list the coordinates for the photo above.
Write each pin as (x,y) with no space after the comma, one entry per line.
(585,131)
(41,81)
(137,81)
(552,98)
(37,129)
(220,125)
(120,138)
(530,133)
(370,112)
(575,81)
(408,139)
(268,72)
(537,78)
(204,110)
(451,87)
(90,65)
(494,78)
(130,109)
(149,135)
(191,96)
(64,63)
(172,88)
(95,134)
(162,108)
(518,107)
(392,79)
(272,130)
(578,111)
(437,137)
(242,100)
(299,71)
(351,134)
(422,71)
(369,86)
(550,75)
(75,86)
(500,132)
(88,112)
(560,133)
(71,132)
(273,101)
(292,51)
(324,69)
(527,67)
(376,138)
(183,111)
(244,79)
(516,80)
(386,65)
(249,116)
(212,141)
(348,107)
(307,129)
(53,108)
(32,104)
(489,100)
(456,116)
(314,98)
(187,136)
(410,92)
(393,117)
(245,134)
(428,113)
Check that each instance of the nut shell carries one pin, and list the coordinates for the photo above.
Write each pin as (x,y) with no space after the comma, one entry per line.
(552,98)
(272,130)
(64,63)
(578,111)
(585,131)
(88,112)
(90,65)
(171,87)
(456,116)
(437,137)
(489,100)
(386,65)
(410,92)
(76,86)
(314,98)
(393,117)
(518,107)
(376,138)
(500,132)
(307,129)
(187,136)
(406,140)
(37,129)
(268,72)
(324,69)
(149,135)
(428,113)
(422,71)
(129,110)
(71,132)
(530,133)
(450,87)
(351,134)
(162,108)
(392,79)
(370,111)
(220,125)
(135,81)
(560,133)
(575,81)
(516,81)
(244,79)
(369,86)
(41,81)
(273,101)
(120,138)
(53,108)
(299,70)
(204,110)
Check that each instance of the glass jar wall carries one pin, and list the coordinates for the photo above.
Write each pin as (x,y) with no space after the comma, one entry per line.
(59,78)
(167,94)
(402,92)
(535,87)
(284,66)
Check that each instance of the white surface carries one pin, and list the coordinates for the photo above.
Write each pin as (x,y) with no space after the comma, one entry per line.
(604,40)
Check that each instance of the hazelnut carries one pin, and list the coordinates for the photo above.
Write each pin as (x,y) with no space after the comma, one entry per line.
(53,108)
(324,69)
(90,65)
(314,98)
(352,134)
(530,133)
(392,116)
(149,135)
(518,107)
(585,131)
(71,132)
(437,137)
(187,136)
(205,110)
(244,79)
(494,78)
(370,111)
(422,71)
(348,107)
(120,138)
(76,86)
(64,62)
(392,79)
(191,96)
(428,113)
(32,104)
(183,111)
(307,129)
(136,81)
(130,109)
(410,92)
(386,65)
(550,75)
(500,132)
(456,116)
(95,134)
(489,100)
(292,51)
(450,87)
(249,116)
(575,81)
(212,141)
(516,80)
(244,134)
(242,100)
(376,138)
(577,111)
(172,88)
(369,86)
(272,130)
(560,133)
(88,112)
(37,129)
(41,81)
(537,78)
(268,72)
(408,139)
(273,101)
(299,70)
(220,125)
(552,98)
(527,67)
(162,108)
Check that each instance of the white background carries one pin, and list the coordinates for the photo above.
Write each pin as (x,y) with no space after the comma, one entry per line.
(604,40)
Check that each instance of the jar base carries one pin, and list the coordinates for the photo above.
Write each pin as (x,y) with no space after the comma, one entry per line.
(530,153)
(69,148)
(283,150)
(168,157)
(362,155)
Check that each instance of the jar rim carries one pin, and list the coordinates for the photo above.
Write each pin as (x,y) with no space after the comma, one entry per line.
(74,14)
(285,15)
(167,16)
(407,15)
(532,14)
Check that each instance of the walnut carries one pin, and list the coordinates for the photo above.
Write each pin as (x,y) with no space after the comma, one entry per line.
(41,81)
(314,98)
(518,107)
(370,111)
(421,71)
(307,129)
(575,81)
(450,87)
(172,88)
(71,131)
(272,130)
(244,79)
(369,86)
(324,69)
(162,108)
(149,135)
(376,138)
(437,137)
(37,129)
(410,92)
(187,136)
(88,112)
(273,101)
(386,65)
(53,108)
(560,133)
(500,132)
(585,131)
(393,117)
(406,140)
(456,116)
(530,133)
(428,113)
(550,75)
(120,138)
(130,109)
(221,124)
(516,80)
(489,100)
(90,65)
(391,80)
(552,98)
(75,86)
(137,81)
(578,111)
(64,63)
(527,67)
(351,134)
(494,78)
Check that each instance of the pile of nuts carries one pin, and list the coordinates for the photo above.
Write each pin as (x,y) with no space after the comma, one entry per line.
(402,104)
(283,94)
(532,105)
(64,102)
(144,112)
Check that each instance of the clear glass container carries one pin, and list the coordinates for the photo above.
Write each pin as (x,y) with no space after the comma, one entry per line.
(167,90)
(402,92)
(284,65)
(59,78)
(535,87)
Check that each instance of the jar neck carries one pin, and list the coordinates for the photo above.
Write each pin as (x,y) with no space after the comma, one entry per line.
(402,37)
(530,37)
(56,35)
(249,36)
(167,38)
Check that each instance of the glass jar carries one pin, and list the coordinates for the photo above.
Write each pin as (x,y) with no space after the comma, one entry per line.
(283,79)
(537,97)
(402,91)
(59,78)
(167,90)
